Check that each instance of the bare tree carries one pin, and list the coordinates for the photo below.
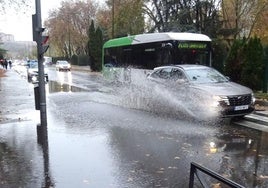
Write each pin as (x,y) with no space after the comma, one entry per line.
(68,26)
(261,29)
(240,17)
(124,17)
(180,15)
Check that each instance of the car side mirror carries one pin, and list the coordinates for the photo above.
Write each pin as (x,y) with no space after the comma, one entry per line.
(180,81)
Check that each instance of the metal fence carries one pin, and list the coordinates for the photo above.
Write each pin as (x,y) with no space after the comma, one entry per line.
(195,171)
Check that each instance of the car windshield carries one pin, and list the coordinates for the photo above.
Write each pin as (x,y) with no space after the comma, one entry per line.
(33,64)
(205,75)
(63,62)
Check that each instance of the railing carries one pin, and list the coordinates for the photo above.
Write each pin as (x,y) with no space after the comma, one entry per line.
(196,168)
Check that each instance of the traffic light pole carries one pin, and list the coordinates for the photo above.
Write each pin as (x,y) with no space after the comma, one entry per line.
(37,33)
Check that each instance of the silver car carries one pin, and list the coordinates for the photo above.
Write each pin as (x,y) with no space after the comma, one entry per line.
(206,89)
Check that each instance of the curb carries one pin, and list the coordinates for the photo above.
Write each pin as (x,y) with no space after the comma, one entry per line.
(261,113)
(81,68)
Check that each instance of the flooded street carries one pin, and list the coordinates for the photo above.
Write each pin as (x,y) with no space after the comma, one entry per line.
(96,140)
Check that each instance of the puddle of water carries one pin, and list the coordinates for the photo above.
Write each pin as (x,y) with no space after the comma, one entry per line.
(54,87)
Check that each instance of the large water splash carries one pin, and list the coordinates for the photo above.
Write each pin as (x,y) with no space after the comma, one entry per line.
(168,101)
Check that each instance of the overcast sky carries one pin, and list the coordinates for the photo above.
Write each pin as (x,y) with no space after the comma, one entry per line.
(19,22)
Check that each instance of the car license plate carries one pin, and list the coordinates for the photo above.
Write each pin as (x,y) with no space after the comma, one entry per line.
(243,107)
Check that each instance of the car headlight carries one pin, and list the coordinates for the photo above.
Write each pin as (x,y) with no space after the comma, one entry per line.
(219,99)
(34,78)
(215,101)
(253,99)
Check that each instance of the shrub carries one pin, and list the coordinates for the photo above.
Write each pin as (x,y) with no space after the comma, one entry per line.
(245,63)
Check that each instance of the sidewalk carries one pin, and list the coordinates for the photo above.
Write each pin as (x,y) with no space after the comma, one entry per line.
(81,68)
(24,162)
(17,98)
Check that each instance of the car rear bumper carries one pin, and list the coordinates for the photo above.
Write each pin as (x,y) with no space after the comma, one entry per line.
(64,69)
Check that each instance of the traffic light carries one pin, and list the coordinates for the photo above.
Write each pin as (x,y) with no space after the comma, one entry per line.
(44,44)
(40,36)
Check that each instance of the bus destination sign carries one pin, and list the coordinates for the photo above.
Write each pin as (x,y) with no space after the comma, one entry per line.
(192,45)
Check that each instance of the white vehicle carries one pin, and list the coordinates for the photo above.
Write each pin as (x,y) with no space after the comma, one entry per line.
(47,60)
(62,65)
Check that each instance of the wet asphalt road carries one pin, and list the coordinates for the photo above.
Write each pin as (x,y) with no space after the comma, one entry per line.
(95,140)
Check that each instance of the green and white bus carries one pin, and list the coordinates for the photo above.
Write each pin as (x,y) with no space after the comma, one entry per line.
(125,58)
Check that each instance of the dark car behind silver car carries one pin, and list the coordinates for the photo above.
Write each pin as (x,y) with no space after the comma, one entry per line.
(32,71)
(206,88)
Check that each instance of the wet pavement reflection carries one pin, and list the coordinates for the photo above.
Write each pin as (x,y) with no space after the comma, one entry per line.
(54,87)
(21,157)
(122,157)
(164,160)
